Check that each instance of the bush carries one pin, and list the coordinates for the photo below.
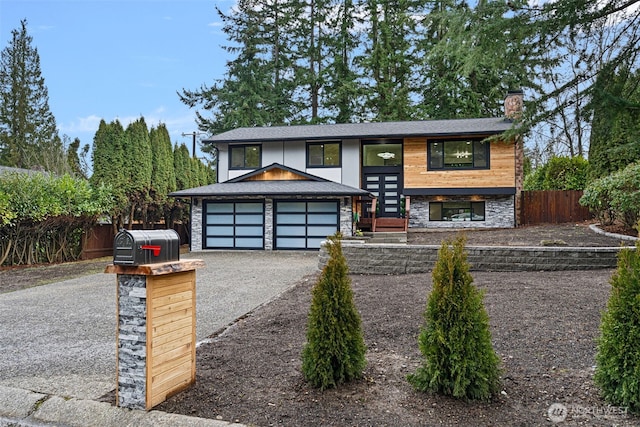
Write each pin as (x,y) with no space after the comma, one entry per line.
(618,357)
(559,173)
(456,341)
(335,349)
(616,196)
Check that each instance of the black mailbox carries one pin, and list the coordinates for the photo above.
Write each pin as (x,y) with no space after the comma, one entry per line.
(138,247)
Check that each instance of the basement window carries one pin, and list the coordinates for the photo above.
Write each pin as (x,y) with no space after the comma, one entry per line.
(456,211)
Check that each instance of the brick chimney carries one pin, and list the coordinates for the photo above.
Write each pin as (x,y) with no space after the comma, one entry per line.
(513,104)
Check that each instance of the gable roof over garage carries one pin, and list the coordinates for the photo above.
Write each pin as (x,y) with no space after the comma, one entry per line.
(310,185)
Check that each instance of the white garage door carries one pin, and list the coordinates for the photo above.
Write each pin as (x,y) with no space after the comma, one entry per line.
(305,224)
(234,225)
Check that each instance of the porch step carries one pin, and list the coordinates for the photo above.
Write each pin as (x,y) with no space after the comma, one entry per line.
(386,237)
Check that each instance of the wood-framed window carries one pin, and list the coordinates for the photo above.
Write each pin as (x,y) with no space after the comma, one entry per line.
(456,211)
(458,154)
(245,156)
(324,154)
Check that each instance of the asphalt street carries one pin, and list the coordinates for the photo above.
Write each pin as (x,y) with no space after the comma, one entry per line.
(59,339)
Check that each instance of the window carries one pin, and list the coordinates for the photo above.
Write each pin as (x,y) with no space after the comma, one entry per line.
(323,154)
(456,211)
(387,153)
(458,154)
(245,157)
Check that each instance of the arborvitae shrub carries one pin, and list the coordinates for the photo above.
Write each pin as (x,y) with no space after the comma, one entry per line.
(335,349)
(618,357)
(455,341)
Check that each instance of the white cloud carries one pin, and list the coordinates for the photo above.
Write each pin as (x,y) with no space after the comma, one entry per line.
(81,124)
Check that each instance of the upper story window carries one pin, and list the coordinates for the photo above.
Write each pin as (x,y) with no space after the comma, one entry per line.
(245,156)
(458,154)
(323,154)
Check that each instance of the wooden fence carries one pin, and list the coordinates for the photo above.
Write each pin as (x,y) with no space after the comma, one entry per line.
(552,207)
(98,242)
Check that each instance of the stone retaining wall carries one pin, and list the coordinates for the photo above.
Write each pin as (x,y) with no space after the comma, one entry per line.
(366,258)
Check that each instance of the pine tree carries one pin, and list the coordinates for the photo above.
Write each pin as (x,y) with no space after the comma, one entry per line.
(456,341)
(28,132)
(335,349)
(388,60)
(163,175)
(618,356)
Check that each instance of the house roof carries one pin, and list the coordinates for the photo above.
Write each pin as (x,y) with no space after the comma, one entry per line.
(310,186)
(11,170)
(364,130)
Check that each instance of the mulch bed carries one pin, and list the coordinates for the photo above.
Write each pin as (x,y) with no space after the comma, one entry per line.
(543,324)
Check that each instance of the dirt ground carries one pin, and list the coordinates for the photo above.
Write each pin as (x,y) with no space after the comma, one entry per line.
(543,324)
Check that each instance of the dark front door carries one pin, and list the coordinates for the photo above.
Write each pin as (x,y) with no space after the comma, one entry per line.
(382,174)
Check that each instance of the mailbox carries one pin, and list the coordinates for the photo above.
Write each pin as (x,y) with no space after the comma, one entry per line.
(138,247)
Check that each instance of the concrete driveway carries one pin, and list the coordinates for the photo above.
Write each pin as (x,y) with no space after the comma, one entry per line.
(60,338)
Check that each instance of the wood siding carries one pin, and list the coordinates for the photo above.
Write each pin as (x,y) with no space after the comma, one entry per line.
(552,207)
(500,174)
(171,329)
(277,174)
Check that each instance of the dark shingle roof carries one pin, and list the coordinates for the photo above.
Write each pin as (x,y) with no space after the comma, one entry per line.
(11,170)
(365,130)
(272,188)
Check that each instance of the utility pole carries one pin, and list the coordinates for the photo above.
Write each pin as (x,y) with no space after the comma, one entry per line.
(193,134)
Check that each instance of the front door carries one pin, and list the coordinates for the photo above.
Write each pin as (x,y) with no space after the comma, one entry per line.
(382,174)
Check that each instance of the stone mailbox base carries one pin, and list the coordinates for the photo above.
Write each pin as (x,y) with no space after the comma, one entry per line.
(156,333)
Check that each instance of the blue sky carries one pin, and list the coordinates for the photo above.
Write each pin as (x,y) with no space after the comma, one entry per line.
(108,59)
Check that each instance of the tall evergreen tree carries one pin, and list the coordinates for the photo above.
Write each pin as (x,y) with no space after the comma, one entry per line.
(28,133)
(388,60)
(257,89)
(107,156)
(615,132)
(163,175)
(138,167)
(340,75)
(472,57)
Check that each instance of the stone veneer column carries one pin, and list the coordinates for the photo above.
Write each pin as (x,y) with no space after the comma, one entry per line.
(268,224)
(346,218)
(132,341)
(196,226)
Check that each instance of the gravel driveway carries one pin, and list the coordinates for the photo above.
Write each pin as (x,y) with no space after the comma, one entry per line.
(60,338)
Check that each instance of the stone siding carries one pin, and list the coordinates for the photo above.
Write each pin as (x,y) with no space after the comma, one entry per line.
(196,225)
(366,258)
(132,341)
(346,219)
(268,224)
(499,213)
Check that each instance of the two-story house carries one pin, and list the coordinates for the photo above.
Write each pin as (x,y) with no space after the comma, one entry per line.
(288,187)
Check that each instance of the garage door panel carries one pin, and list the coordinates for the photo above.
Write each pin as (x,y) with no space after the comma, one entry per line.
(232,225)
(249,231)
(249,219)
(322,207)
(292,243)
(219,230)
(219,242)
(248,242)
(305,224)
(291,230)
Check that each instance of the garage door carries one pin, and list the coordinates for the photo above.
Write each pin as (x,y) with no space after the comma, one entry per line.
(234,225)
(304,224)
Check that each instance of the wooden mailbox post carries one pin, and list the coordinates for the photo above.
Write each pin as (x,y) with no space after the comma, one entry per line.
(156,331)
